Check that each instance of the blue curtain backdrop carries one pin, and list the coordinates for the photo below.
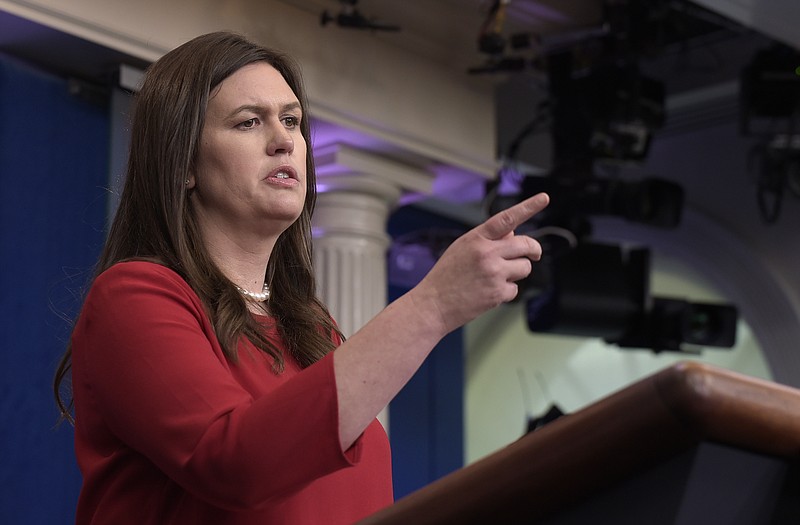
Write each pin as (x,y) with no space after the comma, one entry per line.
(426,419)
(53,165)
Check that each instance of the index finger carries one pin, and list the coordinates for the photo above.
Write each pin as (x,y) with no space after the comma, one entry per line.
(501,224)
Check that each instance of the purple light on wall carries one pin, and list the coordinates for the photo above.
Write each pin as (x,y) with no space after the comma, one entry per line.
(457,184)
(450,183)
(325,134)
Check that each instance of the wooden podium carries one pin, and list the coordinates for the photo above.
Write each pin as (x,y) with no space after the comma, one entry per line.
(692,444)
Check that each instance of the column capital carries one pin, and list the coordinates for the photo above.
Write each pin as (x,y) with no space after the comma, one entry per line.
(340,167)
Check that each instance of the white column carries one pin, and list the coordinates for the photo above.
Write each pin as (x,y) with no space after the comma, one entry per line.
(356,193)
(350,243)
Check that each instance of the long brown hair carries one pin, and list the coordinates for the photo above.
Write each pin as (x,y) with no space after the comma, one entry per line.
(155,221)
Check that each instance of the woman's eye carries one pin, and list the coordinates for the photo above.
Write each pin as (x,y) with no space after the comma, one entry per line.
(249,123)
(291,122)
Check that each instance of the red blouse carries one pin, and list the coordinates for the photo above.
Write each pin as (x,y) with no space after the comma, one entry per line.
(169,431)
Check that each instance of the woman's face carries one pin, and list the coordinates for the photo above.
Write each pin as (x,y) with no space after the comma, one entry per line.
(250,174)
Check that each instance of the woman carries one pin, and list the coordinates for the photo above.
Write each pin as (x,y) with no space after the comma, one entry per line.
(205,385)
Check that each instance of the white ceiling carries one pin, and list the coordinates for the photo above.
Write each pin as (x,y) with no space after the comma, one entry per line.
(447,30)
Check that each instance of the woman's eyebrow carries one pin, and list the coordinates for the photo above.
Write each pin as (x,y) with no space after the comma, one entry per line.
(260,109)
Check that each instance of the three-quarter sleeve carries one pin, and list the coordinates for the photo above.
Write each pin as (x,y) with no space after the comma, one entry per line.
(152,378)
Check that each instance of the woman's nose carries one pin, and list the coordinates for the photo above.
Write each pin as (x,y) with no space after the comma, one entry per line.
(280,141)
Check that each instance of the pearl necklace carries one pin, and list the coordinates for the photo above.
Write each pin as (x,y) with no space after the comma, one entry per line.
(258,297)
